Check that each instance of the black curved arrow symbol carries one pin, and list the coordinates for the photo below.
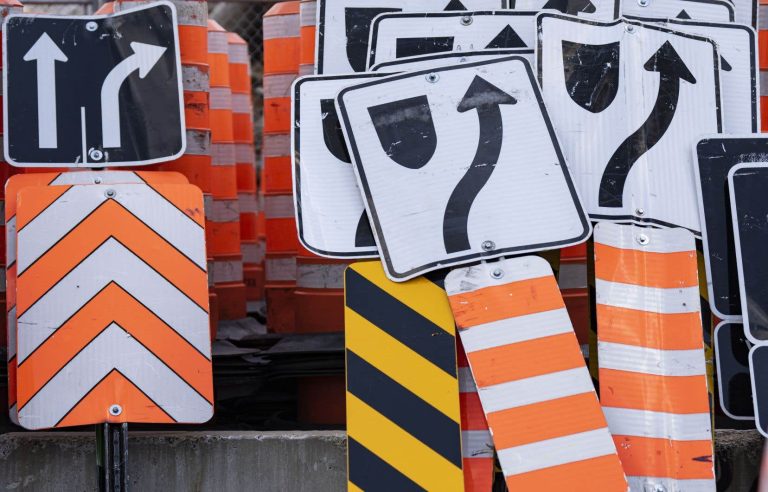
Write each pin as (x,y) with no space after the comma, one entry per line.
(486,99)
(571,7)
(671,69)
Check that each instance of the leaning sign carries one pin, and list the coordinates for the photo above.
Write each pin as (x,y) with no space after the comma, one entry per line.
(93,91)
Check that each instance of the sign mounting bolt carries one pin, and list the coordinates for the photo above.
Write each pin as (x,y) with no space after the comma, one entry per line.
(497,273)
(466,20)
(643,239)
(640,211)
(115,410)
(432,77)
(489,245)
(91,26)
(97,180)
(630,28)
(110,193)
(643,3)
(96,154)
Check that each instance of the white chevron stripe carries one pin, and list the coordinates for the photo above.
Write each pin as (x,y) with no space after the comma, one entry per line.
(114,349)
(79,201)
(112,262)
(12,332)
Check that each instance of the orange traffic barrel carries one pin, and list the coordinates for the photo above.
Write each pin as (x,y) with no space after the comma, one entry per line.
(319,294)
(282,236)
(279,291)
(107,8)
(276,149)
(308,19)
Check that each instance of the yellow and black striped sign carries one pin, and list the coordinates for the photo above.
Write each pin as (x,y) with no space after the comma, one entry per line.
(402,388)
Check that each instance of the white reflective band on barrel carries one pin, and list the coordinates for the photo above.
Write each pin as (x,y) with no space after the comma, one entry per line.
(241,103)
(238,54)
(217,42)
(223,154)
(276,145)
(224,211)
(319,276)
(227,270)
(306,69)
(198,142)
(572,276)
(280,269)
(208,205)
(763,82)
(245,153)
(762,17)
(280,26)
(210,272)
(249,202)
(278,85)
(664,301)
(476,444)
(193,78)
(253,252)
(307,14)
(221,98)
(466,381)
(278,206)
(2,280)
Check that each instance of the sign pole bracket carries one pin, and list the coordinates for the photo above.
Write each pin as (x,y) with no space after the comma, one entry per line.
(112,457)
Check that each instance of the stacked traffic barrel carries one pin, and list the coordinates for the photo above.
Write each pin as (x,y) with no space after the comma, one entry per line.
(281,67)
(195,164)
(245,161)
(308,20)
(224,225)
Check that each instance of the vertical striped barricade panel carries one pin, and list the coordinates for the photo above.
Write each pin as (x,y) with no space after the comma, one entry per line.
(476,440)
(62,181)
(112,305)
(402,387)
(653,382)
(542,410)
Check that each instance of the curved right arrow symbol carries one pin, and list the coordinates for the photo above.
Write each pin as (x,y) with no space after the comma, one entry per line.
(671,69)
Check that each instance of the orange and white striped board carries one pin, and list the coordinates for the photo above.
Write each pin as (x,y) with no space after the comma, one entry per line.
(80,177)
(546,422)
(112,305)
(476,440)
(653,382)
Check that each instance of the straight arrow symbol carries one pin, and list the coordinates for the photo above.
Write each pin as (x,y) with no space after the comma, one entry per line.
(144,57)
(46,53)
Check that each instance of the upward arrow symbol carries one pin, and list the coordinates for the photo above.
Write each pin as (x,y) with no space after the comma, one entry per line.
(144,57)
(46,53)
(486,99)
(671,70)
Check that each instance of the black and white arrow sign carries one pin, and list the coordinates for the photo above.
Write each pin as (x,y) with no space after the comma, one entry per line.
(629,101)
(459,163)
(93,90)
(400,35)
(700,10)
(603,10)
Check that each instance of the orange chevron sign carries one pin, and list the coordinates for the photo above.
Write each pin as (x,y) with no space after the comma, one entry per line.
(111,305)
(12,187)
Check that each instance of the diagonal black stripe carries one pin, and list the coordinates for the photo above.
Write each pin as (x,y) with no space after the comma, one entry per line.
(401,322)
(96,386)
(412,414)
(372,474)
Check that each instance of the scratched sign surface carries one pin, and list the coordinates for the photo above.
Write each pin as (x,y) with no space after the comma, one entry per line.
(459,163)
(93,91)
(629,101)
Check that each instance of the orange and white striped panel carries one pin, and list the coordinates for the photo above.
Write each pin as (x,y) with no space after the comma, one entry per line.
(547,426)
(476,441)
(653,382)
(112,305)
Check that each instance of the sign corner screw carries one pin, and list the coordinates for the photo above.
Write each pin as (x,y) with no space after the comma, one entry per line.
(432,77)
(643,239)
(115,410)
(497,273)
(489,245)
(466,20)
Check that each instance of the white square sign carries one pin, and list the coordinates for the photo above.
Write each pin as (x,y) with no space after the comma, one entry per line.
(343,27)
(701,10)
(330,214)
(395,36)
(424,62)
(628,102)
(458,164)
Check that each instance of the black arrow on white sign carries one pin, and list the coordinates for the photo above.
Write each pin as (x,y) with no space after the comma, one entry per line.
(671,70)
(571,7)
(486,99)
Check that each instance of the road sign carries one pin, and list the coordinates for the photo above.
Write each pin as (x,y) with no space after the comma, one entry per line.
(746,12)
(402,387)
(758,367)
(604,10)
(344,27)
(642,95)
(400,35)
(650,347)
(737,46)
(93,91)
(733,380)
(749,212)
(12,187)
(700,10)
(454,168)
(533,383)
(424,62)
(330,213)
(112,306)
(716,157)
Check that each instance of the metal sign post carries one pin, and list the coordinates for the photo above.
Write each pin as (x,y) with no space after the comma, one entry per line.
(112,457)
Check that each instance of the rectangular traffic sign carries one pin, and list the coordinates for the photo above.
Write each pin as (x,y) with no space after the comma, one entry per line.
(93,91)
(401,35)
(344,26)
(459,163)
(424,62)
(330,214)
(733,378)
(700,10)
(629,100)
